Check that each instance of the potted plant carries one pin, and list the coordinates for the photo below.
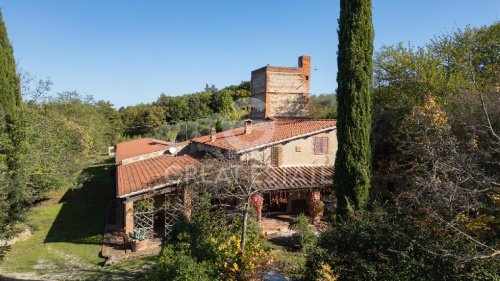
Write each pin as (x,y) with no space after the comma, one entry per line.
(143,205)
(138,240)
(316,209)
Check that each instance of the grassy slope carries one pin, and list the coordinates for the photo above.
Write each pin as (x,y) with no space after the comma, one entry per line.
(68,231)
(288,262)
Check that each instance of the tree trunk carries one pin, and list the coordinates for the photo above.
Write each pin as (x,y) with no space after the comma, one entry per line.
(244,228)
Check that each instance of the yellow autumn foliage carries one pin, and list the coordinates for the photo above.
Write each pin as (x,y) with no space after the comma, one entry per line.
(249,264)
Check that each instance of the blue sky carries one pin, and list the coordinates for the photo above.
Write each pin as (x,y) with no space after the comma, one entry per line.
(131,51)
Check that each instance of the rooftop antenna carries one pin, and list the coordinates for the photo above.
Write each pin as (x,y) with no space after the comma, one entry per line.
(173,148)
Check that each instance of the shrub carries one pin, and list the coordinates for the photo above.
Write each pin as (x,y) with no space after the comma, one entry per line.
(304,234)
(234,264)
(316,209)
(208,248)
(396,246)
(177,266)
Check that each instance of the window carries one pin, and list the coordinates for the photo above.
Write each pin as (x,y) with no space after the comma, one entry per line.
(320,145)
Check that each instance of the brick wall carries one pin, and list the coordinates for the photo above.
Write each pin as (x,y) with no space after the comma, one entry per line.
(281,91)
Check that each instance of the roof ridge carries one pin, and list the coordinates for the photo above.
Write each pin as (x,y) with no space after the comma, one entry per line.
(267,133)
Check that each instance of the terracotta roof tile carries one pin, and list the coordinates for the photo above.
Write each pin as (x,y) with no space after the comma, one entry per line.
(265,132)
(139,147)
(152,172)
(161,170)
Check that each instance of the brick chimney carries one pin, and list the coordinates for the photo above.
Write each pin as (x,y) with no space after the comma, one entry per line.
(213,134)
(305,64)
(248,126)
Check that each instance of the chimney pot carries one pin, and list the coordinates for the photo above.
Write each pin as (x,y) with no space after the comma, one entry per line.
(213,134)
(248,126)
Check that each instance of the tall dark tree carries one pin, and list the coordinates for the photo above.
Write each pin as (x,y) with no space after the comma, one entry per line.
(12,135)
(353,164)
(10,93)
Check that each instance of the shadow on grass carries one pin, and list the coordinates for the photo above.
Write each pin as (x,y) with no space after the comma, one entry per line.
(82,217)
(90,274)
(291,243)
(3,251)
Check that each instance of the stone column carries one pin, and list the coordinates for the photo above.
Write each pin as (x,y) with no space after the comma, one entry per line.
(129,217)
(257,201)
(187,199)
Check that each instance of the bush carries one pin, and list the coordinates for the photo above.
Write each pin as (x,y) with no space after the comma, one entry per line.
(304,234)
(396,246)
(234,264)
(173,265)
(208,248)
(316,209)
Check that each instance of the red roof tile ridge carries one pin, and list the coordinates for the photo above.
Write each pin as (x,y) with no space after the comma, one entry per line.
(280,129)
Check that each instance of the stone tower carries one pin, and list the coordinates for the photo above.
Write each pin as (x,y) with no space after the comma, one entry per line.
(281,91)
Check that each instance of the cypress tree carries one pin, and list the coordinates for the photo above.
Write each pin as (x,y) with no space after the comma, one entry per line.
(354,94)
(12,136)
(10,93)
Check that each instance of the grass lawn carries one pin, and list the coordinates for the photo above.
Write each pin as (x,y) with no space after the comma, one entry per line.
(288,262)
(68,231)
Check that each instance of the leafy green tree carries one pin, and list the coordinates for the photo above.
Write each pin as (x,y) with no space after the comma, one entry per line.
(114,121)
(199,105)
(85,117)
(304,232)
(142,118)
(154,116)
(322,106)
(222,102)
(353,162)
(439,216)
(64,153)
(178,109)
(66,133)
(458,71)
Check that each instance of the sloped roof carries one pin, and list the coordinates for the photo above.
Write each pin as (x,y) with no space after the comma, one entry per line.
(265,133)
(145,174)
(139,147)
(161,171)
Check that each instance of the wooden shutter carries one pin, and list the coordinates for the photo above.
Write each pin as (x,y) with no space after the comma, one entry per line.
(324,145)
(276,156)
(320,145)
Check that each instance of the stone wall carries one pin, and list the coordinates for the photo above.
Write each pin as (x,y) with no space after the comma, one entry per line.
(22,236)
(281,91)
(300,151)
(287,105)
(258,102)
(258,82)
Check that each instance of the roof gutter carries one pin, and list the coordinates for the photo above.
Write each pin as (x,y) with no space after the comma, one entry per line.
(135,193)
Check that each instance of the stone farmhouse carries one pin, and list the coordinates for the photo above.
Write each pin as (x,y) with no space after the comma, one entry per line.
(299,153)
